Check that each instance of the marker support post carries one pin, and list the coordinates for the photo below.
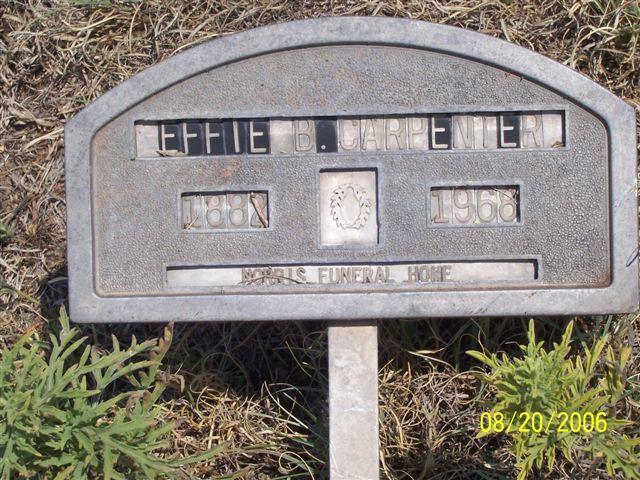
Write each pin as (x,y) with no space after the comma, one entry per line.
(353,401)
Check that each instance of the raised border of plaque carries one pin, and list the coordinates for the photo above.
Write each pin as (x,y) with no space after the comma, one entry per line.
(278,302)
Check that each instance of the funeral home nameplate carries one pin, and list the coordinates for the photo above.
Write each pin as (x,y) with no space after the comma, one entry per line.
(352,169)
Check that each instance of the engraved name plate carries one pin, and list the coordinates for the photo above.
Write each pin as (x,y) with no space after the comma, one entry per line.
(352,168)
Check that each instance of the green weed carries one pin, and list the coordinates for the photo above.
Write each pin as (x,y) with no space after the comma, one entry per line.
(552,382)
(5,232)
(61,416)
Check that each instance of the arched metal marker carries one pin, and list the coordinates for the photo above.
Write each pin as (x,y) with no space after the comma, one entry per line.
(352,169)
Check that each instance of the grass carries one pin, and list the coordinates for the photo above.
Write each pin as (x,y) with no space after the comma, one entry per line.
(261,388)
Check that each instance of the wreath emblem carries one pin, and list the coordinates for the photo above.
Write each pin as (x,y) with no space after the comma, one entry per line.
(350,206)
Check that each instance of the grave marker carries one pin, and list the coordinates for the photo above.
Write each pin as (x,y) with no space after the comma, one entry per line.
(352,169)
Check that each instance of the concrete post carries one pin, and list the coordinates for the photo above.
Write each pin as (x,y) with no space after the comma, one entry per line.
(353,401)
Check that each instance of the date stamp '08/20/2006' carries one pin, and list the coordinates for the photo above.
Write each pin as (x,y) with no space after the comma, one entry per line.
(537,422)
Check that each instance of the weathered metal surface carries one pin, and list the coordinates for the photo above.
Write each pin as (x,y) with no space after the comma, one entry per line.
(353,401)
(339,146)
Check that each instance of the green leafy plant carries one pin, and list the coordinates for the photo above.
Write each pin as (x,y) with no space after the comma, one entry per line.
(5,232)
(551,382)
(61,415)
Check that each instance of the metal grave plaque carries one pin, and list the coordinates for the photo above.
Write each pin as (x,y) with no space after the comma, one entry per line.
(352,168)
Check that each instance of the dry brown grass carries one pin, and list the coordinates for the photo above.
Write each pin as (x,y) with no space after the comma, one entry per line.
(262,388)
